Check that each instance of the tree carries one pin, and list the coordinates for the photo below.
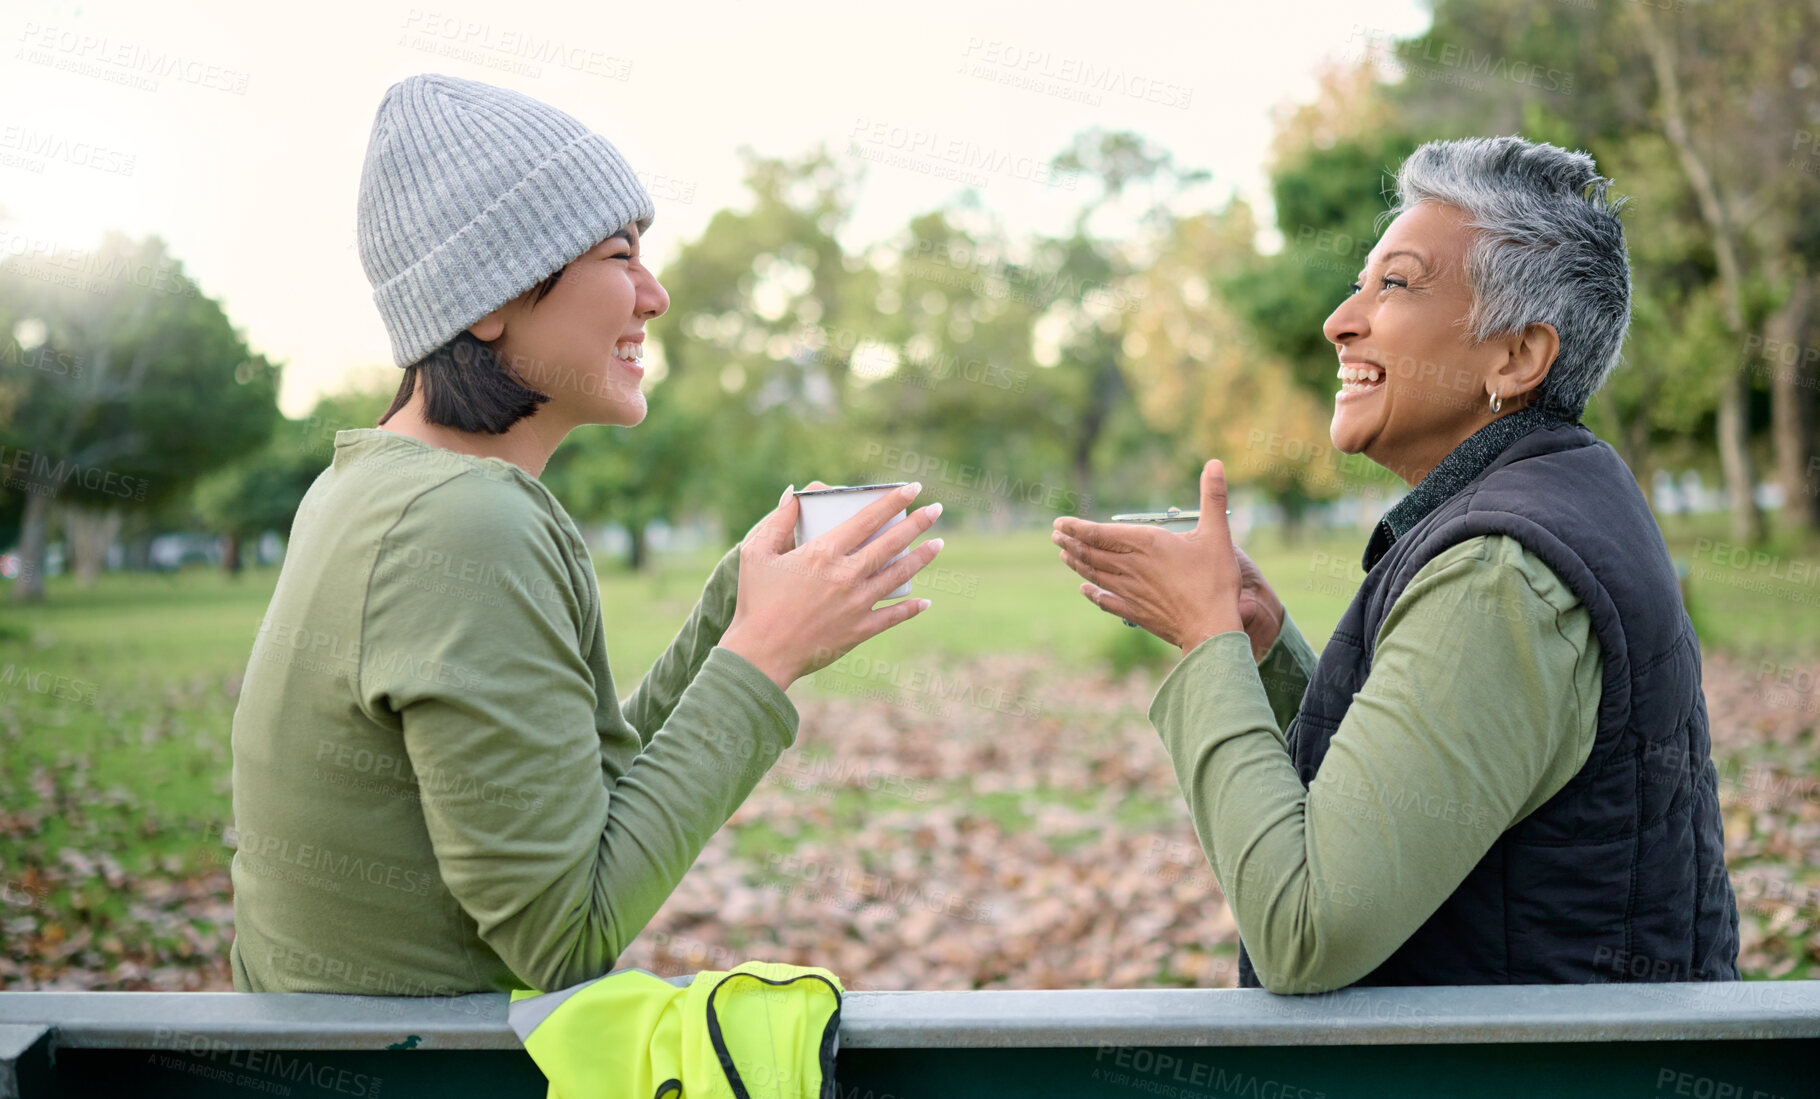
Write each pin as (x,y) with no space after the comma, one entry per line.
(1329,174)
(749,398)
(1203,377)
(129,385)
(262,492)
(633,479)
(1122,164)
(1726,90)
(947,370)
(1730,130)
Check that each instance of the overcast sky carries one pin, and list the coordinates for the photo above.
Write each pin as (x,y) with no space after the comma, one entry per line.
(236,131)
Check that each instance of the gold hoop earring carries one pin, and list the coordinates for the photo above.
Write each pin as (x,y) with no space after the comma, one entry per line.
(1497,402)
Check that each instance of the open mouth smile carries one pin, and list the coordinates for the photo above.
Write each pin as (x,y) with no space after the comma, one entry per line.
(1359,377)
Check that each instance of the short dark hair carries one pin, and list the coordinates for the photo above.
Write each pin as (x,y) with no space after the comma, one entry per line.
(468,387)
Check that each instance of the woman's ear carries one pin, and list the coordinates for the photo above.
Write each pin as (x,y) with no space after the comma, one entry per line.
(490,327)
(1532,353)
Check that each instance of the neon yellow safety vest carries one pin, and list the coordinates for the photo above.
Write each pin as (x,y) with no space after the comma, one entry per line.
(760,1030)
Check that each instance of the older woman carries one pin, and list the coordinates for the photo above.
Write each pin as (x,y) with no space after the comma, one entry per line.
(1498,771)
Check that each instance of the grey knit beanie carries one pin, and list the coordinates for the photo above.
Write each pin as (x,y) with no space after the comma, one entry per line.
(472,194)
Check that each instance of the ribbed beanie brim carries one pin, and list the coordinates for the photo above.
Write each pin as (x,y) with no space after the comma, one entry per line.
(471,194)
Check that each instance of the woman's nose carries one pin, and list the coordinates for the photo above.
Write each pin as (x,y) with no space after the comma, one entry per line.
(653,299)
(1346,322)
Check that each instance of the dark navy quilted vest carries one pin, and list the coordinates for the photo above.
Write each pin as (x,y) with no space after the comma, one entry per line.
(1621,875)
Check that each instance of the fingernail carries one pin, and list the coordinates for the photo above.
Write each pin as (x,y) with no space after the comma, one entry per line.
(912,490)
(786,495)
(935,511)
(923,604)
(937,543)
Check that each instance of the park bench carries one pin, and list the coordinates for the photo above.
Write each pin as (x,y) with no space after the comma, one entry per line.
(1744,1040)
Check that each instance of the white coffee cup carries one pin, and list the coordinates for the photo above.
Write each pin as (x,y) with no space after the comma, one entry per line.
(820,510)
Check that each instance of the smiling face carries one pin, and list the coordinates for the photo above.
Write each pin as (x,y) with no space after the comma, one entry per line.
(583,341)
(1414,384)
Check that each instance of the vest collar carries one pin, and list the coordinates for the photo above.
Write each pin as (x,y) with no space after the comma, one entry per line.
(1452,474)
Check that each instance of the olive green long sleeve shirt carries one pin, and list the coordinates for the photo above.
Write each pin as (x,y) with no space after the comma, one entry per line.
(437,788)
(1481,703)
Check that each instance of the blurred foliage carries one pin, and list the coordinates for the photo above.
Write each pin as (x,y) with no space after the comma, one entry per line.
(262,491)
(1088,370)
(1704,114)
(123,384)
(131,370)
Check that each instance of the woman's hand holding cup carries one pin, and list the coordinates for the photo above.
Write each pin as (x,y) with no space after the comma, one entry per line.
(1184,588)
(800,608)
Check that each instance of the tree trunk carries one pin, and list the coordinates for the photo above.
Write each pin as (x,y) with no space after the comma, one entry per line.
(90,531)
(34,533)
(1633,444)
(1083,478)
(638,553)
(1295,513)
(1792,392)
(1734,459)
(1734,392)
(1104,391)
(230,554)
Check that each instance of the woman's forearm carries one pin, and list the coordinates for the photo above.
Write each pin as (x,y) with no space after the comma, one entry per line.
(1249,810)
(1463,726)
(721,737)
(652,701)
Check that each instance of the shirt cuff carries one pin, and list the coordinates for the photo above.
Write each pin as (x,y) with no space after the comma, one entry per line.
(1215,690)
(724,661)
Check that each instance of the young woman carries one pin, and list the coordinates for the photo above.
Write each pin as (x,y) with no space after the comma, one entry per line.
(437,787)
(1498,772)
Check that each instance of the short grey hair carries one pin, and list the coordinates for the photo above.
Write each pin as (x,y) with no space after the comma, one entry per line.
(1548,248)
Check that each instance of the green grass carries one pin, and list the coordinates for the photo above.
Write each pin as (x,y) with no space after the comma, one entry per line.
(147,641)
(1764,601)
(142,704)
